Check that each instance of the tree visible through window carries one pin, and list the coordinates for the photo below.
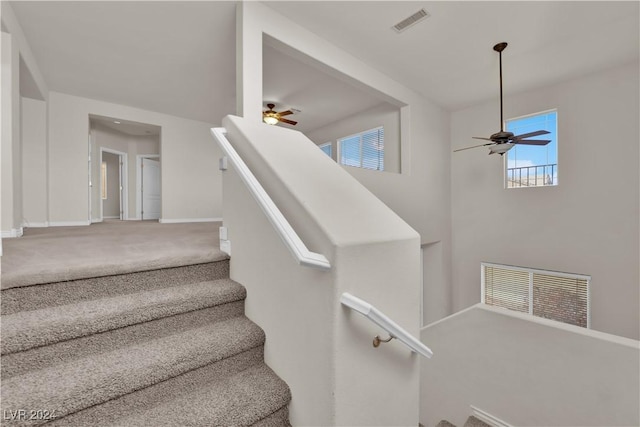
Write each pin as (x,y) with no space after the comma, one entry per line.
(533,165)
(363,150)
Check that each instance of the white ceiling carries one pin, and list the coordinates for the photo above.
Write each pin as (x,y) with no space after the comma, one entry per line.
(179,57)
(321,99)
(172,57)
(449,56)
(126,126)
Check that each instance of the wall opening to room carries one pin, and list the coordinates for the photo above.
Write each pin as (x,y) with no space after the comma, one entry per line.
(134,143)
(328,107)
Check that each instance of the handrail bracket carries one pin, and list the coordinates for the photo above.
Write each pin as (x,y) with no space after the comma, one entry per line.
(377,340)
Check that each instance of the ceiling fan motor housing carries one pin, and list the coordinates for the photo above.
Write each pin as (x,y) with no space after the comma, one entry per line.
(501,137)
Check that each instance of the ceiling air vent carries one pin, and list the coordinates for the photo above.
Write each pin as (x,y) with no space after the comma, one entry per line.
(413,19)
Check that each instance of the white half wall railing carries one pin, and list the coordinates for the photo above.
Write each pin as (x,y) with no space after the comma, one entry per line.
(379,318)
(288,235)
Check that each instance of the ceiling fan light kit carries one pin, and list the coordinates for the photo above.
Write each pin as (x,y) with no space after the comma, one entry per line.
(272,117)
(270,120)
(503,141)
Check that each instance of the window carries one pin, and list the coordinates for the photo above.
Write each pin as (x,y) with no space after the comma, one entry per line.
(552,295)
(326,147)
(533,165)
(363,150)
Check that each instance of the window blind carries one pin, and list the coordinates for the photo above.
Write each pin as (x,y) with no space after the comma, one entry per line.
(560,298)
(552,295)
(373,149)
(350,151)
(507,288)
(326,148)
(363,150)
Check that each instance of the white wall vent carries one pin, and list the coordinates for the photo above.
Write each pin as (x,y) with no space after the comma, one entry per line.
(411,20)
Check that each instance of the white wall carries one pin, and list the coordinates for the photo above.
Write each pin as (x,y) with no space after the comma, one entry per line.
(588,224)
(321,349)
(10,146)
(12,26)
(14,49)
(34,162)
(528,373)
(191,182)
(421,193)
(385,115)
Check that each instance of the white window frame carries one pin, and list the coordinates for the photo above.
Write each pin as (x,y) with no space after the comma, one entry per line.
(506,157)
(360,135)
(327,144)
(531,272)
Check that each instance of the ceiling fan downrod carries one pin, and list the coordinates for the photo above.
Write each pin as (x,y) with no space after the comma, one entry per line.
(499,48)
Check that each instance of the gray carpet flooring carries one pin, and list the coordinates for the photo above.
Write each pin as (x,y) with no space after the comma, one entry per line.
(160,341)
(56,254)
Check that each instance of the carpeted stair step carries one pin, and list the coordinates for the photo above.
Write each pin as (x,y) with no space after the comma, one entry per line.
(280,418)
(472,421)
(70,387)
(242,399)
(42,357)
(53,294)
(140,400)
(25,330)
(475,422)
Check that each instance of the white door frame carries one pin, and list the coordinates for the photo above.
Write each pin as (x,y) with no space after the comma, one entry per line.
(90,177)
(139,158)
(124,212)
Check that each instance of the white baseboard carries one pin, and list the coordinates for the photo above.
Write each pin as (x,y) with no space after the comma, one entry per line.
(488,418)
(68,223)
(110,217)
(9,234)
(35,224)
(180,220)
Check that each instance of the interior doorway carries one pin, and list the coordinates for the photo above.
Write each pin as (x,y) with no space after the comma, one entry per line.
(129,141)
(113,184)
(148,193)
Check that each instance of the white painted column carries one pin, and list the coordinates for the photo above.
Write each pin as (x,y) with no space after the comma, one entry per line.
(10,139)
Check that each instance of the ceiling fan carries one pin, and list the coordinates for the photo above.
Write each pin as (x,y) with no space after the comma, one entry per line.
(503,141)
(272,117)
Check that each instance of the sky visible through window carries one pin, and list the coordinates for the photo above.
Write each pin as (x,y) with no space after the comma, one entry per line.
(364,150)
(326,147)
(524,156)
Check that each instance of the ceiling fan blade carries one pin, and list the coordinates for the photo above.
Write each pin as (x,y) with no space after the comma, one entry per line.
(285,113)
(474,146)
(530,134)
(291,122)
(479,137)
(532,141)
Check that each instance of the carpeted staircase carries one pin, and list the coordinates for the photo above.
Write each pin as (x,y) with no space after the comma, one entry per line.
(471,422)
(163,347)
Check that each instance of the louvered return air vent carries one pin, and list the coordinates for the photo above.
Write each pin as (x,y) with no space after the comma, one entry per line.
(412,20)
